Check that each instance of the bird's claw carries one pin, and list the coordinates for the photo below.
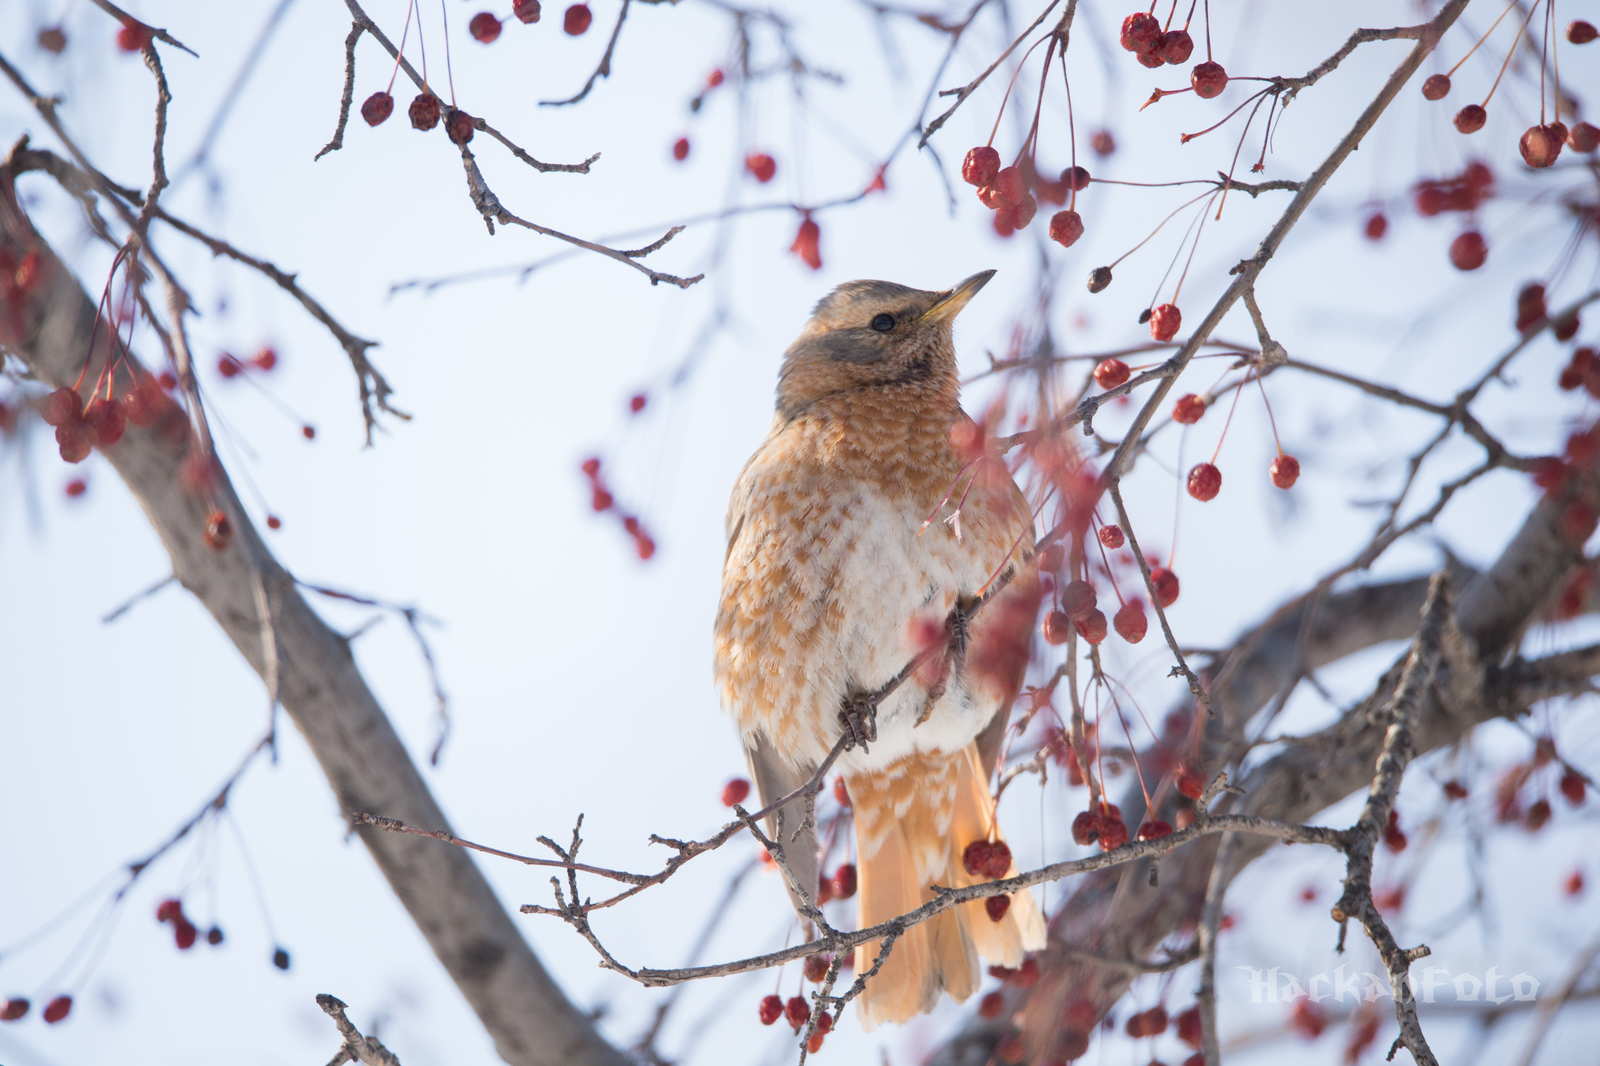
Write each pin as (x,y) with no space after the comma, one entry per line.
(860,718)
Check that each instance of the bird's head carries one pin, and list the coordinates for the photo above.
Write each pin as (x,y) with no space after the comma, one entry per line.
(875,334)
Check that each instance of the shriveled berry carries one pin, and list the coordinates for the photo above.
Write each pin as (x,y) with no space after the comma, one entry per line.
(975,857)
(1111,536)
(1155,829)
(1131,622)
(735,791)
(1470,119)
(996,906)
(459,126)
(1093,627)
(1188,409)
(1285,471)
(1583,138)
(52,39)
(214,935)
(133,36)
(798,1011)
(377,107)
(1165,321)
(1066,227)
(1010,186)
(761,166)
(62,406)
(1110,373)
(989,1006)
(1078,598)
(1175,47)
(484,27)
(1085,828)
(1469,251)
(280,959)
(771,1009)
(106,420)
(1099,278)
(577,19)
(1140,33)
(1205,481)
(981,166)
(425,111)
(1152,58)
(526,10)
(1581,32)
(1191,782)
(816,966)
(1208,79)
(1377,225)
(13,1009)
(1056,627)
(999,864)
(680,149)
(1075,178)
(219,530)
(1113,832)
(57,1009)
(1573,787)
(1165,583)
(1539,146)
(1436,86)
(844,881)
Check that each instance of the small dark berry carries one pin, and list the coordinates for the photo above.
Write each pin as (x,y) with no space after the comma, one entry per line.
(377,107)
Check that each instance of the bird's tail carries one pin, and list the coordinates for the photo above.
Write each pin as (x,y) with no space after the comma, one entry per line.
(914,820)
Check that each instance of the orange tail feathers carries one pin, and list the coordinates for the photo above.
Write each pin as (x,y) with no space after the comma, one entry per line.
(913,821)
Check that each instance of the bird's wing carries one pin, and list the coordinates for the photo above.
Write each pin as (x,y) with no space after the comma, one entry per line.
(776,778)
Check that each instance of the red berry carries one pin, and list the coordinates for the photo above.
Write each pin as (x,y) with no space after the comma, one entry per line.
(1540,146)
(976,857)
(577,19)
(1113,833)
(228,366)
(167,380)
(1130,622)
(1377,226)
(1308,1019)
(602,500)
(309,432)
(997,906)
(1051,558)
(1110,372)
(1548,471)
(1166,585)
(771,1010)
(1470,119)
(1573,787)
(680,149)
(844,881)
(1208,79)
(805,244)
(184,933)
(13,1009)
(1085,828)
(57,1009)
(1075,178)
(1175,47)
(1205,481)
(841,792)
(999,864)
(75,441)
(1581,32)
(1111,536)
(591,466)
(989,1006)
(1583,138)
(1537,815)
(484,27)
(981,166)
(1191,782)
(425,111)
(459,126)
(714,79)
(62,406)
(1078,599)
(761,166)
(1065,229)
(132,37)
(54,40)
(1469,251)
(1150,59)
(1188,1025)
(1056,628)
(816,968)
(219,530)
(526,10)
(377,107)
(1010,186)
(1566,327)
(1436,87)
(106,420)
(1103,142)
(1019,214)
(1164,322)
(1093,627)
(169,910)
(1155,830)
(637,401)
(1285,470)
(1530,306)
(735,791)
(1188,409)
(644,546)
(1140,33)
(77,487)
(1573,886)
(798,1011)
(1080,1015)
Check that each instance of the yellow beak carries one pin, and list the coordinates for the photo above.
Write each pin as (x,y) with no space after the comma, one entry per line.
(950,304)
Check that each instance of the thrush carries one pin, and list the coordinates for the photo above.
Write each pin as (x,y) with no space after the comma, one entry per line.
(859,533)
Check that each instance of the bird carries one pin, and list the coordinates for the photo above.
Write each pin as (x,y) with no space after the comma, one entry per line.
(862,531)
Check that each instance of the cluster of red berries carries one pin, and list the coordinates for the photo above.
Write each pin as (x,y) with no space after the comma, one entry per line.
(841,884)
(485,27)
(103,421)
(132,37)
(1103,825)
(602,500)
(798,1012)
(16,1008)
(1152,1022)
(1009,193)
(184,932)
(1142,35)
(424,112)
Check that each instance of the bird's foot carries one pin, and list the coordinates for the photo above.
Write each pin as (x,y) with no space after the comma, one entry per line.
(859,715)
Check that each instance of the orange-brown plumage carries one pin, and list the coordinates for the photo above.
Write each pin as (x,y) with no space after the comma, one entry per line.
(830,581)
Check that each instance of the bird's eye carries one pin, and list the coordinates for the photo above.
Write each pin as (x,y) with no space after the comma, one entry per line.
(883,323)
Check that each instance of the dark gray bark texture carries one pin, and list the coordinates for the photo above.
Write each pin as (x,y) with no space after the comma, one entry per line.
(48,326)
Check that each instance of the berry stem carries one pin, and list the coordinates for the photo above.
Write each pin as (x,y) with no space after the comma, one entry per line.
(1187,137)
(1246,133)
(1231,408)
(1451,72)
(1072,134)
(1544,55)
(1192,5)
(449,73)
(1030,143)
(1511,52)
(401,51)
(1012,84)
(1157,230)
(1208,31)
(1270,419)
